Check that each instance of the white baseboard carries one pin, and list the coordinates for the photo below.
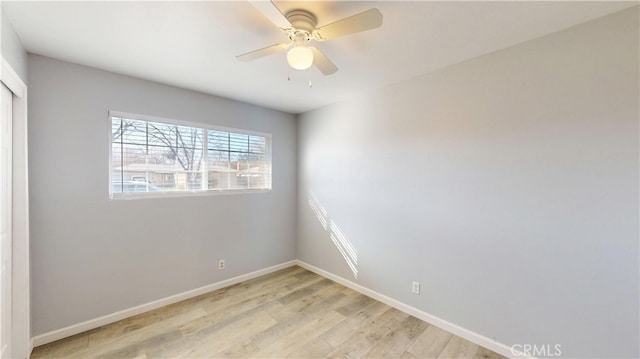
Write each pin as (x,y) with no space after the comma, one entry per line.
(114,317)
(429,318)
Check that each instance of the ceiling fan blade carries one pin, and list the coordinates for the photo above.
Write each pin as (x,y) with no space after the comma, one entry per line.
(363,21)
(250,56)
(322,62)
(271,12)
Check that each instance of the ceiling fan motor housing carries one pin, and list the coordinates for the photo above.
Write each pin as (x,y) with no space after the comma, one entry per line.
(302,22)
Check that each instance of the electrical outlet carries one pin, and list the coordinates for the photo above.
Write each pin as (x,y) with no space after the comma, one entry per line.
(415,287)
(221,264)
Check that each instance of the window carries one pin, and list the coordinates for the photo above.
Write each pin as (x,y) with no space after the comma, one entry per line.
(152,156)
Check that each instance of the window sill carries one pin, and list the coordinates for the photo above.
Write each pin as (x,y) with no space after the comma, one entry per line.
(145,195)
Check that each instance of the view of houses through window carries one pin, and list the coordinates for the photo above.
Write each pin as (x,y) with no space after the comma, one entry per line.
(148,156)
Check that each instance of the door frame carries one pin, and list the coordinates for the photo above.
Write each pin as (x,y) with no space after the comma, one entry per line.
(22,344)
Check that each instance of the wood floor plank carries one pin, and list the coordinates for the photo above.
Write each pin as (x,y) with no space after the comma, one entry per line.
(170,325)
(484,353)
(459,348)
(367,315)
(290,323)
(281,286)
(262,300)
(305,291)
(227,337)
(321,299)
(289,313)
(394,343)
(360,301)
(292,341)
(295,315)
(62,347)
(315,348)
(237,351)
(407,355)
(430,343)
(114,330)
(366,337)
(175,348)
(232,312)
(137,348)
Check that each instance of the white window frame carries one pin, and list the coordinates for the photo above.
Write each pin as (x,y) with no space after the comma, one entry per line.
(205,127)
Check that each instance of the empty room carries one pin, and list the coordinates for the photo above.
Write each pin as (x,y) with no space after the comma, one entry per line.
(320,179)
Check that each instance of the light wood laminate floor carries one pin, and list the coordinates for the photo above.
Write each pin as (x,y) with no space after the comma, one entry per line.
(289,313)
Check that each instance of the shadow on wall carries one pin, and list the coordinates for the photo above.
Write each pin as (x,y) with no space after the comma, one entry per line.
(338,238)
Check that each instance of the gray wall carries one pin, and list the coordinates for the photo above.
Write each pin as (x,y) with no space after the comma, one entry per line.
(507,185)
(92,256)
(12,49)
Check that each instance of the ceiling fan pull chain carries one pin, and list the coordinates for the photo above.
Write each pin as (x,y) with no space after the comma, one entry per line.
(310,78)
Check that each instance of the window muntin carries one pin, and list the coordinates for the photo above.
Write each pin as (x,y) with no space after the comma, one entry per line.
(160,157)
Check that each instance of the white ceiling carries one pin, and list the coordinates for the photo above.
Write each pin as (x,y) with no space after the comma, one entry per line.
(193,44)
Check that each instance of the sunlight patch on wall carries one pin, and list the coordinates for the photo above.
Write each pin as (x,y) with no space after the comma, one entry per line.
(318,210)
(339,239)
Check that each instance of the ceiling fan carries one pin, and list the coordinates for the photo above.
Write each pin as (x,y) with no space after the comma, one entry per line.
(300,26)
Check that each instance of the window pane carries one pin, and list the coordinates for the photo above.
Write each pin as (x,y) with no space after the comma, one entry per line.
(161,134)
(133,131)
(116,129)
(218,140)
(237,161)
(239,165)
(152,156)
(238,142)
(218,169)
(257,144)
(189,137)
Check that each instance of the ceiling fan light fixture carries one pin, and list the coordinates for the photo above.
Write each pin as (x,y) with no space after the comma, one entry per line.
(300,57)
